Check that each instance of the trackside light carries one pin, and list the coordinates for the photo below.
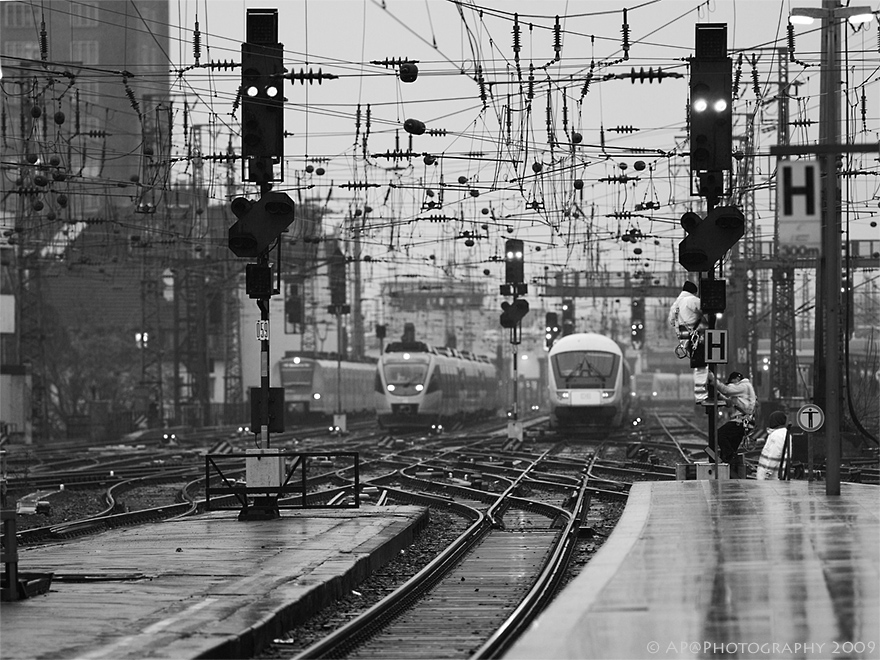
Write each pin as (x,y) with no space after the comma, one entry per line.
(316,396)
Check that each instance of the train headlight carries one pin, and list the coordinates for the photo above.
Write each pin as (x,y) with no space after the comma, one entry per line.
(391,388)
(316,396)
(419,387)
(607,394)
(562,394)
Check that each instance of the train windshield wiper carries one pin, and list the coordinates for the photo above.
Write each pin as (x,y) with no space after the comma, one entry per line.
(586,370)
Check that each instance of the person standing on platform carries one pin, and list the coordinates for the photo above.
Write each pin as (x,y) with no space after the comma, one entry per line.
(774,446)
(687,321)
(741,400)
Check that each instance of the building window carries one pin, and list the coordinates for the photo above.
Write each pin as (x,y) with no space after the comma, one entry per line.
(18,15)
(85,52)
(83,15)
(28,50)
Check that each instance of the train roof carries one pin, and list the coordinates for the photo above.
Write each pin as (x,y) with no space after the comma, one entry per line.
(323,357)
(585,341)
(421,347)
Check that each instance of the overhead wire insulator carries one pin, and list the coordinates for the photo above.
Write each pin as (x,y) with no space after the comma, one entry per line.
(358,185)
(588,79)
(366,131)
(791,57)
(132,99)
(393,61)
(517,42)
(436,132)
(44,41)
(223,65)
(309,76)
(625,31)
(481,82)
(756,86)
(864,111)
(550,137)
(197,43)
(623,129)
(557,40)
(737,76)
(531,88)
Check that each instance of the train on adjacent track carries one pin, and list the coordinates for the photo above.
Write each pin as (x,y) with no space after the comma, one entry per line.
(422,386)
(317,387)
(589,383)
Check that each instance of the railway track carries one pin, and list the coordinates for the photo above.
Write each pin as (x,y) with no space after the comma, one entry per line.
(528,514)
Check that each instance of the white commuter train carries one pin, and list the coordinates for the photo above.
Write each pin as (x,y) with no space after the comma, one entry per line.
(421,386)
(315,388)
(589,383)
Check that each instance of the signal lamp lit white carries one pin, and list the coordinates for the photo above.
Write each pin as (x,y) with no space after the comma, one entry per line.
(720,105)
(271,91)
(252,91)
(700,105)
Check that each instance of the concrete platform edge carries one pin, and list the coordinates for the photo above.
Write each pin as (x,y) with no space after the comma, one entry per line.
(258,636)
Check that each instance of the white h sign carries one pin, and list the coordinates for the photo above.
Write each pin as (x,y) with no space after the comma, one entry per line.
(798,207)
(716,346)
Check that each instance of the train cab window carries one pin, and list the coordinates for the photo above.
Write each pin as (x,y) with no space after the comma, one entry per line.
(585,369)
(436,381)
(296,375)
(405,373)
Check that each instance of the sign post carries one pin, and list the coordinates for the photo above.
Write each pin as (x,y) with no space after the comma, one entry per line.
(810,418)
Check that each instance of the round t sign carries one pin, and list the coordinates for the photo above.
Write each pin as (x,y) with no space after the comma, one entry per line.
(810,417)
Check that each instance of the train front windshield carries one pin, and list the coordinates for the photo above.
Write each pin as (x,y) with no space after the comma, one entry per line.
(401,374)
(296,375)
(585,370)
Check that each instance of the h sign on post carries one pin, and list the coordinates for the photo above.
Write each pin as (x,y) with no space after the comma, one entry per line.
(716,346)
(798,207)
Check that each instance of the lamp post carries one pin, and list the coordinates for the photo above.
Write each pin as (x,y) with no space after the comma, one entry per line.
(829,136)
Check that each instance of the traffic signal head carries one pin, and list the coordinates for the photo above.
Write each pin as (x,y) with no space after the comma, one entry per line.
(709,239)
(567,317)
(513,313)
(638,309)
(638,333)
(259,223)
(337,278)
(514,271)
(711,118)
(262,96)
(551,330)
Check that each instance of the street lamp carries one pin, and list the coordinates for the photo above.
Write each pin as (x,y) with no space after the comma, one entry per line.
(806,15)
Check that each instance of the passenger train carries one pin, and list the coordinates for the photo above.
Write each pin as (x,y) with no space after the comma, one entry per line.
(589,383)
(317,387)
(421,386)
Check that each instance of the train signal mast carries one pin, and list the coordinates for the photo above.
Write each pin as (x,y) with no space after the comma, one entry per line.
(258,229)
(711,138)
(512,314)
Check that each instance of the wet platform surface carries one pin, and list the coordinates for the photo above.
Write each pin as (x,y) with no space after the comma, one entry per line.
(203,586)
(732,569)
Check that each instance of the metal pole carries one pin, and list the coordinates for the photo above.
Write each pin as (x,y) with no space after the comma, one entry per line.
(263,304)
(338,360)
(515,381)
(830,135)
